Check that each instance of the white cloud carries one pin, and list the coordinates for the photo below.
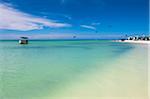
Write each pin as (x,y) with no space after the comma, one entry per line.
(88,27)
(13,19)
(68,17)
(95,24)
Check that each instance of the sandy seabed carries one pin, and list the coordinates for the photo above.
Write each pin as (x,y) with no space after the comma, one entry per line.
(127,78)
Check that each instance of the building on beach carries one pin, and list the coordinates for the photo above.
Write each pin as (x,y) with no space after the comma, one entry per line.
(23,40)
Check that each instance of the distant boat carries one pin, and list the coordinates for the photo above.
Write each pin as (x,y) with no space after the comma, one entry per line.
(23,40)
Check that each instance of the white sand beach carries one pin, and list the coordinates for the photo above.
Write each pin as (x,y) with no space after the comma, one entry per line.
(131,41)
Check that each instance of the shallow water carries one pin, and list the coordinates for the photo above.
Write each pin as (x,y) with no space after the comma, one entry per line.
(73,69)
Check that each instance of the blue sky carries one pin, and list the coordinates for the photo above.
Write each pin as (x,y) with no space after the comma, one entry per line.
(44,19)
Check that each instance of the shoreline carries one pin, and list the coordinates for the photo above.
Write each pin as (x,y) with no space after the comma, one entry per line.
(137,42)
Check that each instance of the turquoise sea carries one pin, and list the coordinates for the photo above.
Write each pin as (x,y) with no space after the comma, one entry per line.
(83,69)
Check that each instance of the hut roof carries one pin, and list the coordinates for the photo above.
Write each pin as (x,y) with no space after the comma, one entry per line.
(24,37)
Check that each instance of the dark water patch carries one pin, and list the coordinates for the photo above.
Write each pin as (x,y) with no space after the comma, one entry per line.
(121,49)
(46,47)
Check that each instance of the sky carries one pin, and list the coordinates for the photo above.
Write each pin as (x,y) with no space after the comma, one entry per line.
(64,19)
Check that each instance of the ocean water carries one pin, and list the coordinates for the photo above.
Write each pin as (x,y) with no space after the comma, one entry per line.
(73,70)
